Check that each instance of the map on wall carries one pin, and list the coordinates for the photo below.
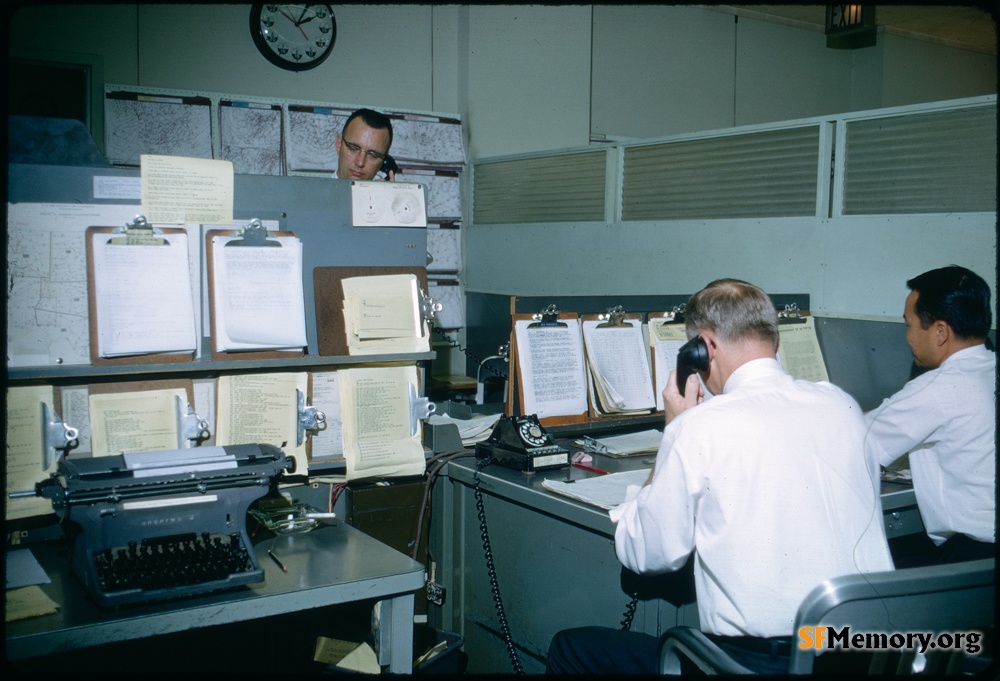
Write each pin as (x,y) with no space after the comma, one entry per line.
(250,136)
(311,135)
(137,124)
(444,202)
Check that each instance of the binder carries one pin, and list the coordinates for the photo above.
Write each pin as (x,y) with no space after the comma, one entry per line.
(148,286)
(548,319)
(254,236)
(328,291)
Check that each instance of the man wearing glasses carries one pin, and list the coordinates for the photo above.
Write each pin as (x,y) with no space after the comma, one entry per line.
(364,145)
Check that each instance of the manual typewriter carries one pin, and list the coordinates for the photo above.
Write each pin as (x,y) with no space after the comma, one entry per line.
(148,526)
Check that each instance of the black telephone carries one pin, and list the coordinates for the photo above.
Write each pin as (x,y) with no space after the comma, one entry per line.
(692,357)
(389,163)
(520,442)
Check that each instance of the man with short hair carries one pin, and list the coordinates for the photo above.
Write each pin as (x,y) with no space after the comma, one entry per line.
(363,145)
(766,487)
(945,419)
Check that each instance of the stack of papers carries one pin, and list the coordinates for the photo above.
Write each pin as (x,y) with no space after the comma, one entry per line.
(629,444)
(603,491)
(473,430)
(382,315)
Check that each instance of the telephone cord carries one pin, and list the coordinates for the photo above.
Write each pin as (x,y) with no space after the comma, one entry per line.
(447,339)
(630,612)
(491,568)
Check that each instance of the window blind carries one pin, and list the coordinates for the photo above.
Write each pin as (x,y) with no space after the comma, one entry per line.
(756,174)
(566,187)
(936,162)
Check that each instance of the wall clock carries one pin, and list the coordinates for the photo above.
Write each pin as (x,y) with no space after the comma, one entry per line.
(296,37)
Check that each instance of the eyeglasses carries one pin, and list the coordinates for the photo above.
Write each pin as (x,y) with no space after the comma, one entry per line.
(371,154)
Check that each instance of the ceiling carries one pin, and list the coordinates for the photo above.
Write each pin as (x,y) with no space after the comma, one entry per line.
(967,27)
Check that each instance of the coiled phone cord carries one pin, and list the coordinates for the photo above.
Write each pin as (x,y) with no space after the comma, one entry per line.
(630,612)
(491,568)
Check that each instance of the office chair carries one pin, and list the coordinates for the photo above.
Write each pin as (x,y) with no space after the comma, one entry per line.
(957,597)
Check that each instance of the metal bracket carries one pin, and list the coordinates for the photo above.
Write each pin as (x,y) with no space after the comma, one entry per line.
(55,435)
(310,418)
(676,313)
(420,408)
(428,306)
(189,426)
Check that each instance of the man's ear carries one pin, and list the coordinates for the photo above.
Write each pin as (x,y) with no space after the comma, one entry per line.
(336,143)
(942,332)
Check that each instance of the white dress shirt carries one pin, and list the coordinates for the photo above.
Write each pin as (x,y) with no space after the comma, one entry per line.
(770,486)
(946,420)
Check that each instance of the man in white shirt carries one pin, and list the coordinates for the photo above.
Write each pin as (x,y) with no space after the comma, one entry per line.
(766,486)
(363,146)
(945,419)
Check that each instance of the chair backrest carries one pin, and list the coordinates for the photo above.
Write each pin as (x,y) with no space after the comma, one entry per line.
(956,597)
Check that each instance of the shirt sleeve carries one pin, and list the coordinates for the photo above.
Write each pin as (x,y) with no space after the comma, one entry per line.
(901,423)
(655,525)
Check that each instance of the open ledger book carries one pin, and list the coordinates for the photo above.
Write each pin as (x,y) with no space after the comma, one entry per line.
(603,491)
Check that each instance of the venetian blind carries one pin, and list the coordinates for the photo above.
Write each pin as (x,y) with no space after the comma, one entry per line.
(567,187)
(937,162)
(750,175)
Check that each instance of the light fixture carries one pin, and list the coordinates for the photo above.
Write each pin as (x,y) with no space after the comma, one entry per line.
(850,26)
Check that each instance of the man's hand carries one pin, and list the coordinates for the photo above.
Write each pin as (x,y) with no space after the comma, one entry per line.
(674,403)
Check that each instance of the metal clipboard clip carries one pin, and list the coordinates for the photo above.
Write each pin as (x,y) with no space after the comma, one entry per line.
(254,234)
(310,418)
(547,317)
(791,315)
(55,435)
(189,425)
(138,232)
(675,314)
(428,306)
(420,408)
(614,317)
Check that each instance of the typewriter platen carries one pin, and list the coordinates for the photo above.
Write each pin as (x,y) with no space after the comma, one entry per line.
(151,526)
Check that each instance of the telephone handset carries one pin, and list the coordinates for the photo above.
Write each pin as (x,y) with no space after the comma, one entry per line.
(389,163)
(692,357)
(520,442)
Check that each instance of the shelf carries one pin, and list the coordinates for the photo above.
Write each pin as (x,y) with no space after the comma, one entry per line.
(205,366)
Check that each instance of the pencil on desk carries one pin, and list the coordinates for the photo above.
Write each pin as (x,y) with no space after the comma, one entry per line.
(275,559)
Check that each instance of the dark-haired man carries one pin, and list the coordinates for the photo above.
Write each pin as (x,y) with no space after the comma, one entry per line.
(945,419)
(363,145)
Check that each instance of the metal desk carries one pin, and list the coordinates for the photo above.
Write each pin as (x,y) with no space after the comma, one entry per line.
(555,562)
(329,566)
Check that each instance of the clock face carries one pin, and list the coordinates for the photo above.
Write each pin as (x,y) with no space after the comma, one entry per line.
(295,37)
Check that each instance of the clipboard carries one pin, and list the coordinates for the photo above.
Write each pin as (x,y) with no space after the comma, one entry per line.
(328,291)
(254,235)
(672,318)
(614,318)
(515,394)
(137,233)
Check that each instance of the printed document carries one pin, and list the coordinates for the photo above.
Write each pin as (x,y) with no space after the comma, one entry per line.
(143,296)
(141,421)
(603,491)
(381,436)
(551,364)
(260,409)
(382,315)
(799,351)
(618,362)
(259,301)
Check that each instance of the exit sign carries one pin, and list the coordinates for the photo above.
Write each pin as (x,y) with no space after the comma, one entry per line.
(850,26)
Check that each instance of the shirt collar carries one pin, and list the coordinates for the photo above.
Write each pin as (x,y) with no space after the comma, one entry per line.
(751,371)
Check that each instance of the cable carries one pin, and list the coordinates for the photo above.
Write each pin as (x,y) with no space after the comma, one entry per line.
(630,612)
(494,584)
(435,464)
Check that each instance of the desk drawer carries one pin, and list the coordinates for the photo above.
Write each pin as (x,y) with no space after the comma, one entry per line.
(902,521)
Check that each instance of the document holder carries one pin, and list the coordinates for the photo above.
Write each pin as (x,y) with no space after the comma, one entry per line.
(548,318)
(105,291)
(328,290)
(617,321)
(254,235)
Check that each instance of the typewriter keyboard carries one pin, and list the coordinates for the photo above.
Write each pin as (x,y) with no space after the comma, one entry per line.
(175,561)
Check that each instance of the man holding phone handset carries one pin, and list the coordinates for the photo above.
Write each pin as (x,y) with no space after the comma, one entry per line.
(766,486)
(363,147)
